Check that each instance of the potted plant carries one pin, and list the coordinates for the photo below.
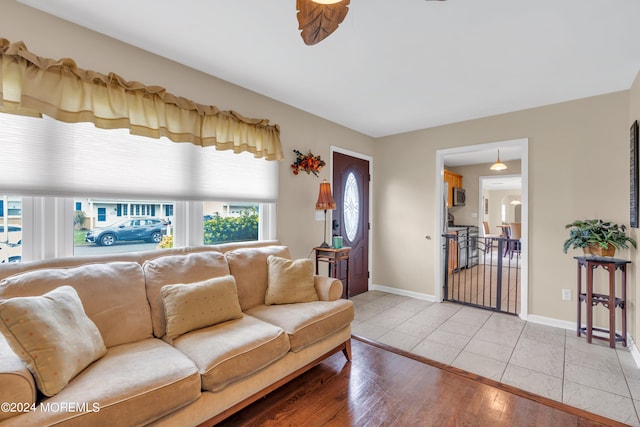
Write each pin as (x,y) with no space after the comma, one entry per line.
(597,237)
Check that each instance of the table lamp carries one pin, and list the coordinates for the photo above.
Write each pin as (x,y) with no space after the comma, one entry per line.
(325,201)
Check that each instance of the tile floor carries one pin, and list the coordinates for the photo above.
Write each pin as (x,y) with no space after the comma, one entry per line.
(548,361)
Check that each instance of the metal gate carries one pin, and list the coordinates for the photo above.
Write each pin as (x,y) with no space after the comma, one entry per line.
(492,281)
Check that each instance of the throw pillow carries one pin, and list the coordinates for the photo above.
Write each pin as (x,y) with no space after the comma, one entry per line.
(290,281)
(197,305)
(52,335)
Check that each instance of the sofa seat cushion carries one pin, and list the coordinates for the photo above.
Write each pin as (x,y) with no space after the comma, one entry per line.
(307,322)
(233,350)
(133,384)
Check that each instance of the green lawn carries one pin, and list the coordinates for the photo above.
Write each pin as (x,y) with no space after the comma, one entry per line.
(78,237)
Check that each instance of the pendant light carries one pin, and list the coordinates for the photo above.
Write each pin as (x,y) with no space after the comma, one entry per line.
(498,166)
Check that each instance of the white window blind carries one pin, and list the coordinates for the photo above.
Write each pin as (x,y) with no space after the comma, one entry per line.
(43,156)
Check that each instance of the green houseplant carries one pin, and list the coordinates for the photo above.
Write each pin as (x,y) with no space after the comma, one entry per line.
(597,237)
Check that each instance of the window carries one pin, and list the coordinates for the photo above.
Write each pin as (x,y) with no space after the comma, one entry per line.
(125,174)
(104,229)
(230,222)
(351,206)
(10,228)
(102,215)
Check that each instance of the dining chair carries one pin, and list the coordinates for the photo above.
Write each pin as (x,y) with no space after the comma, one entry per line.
(515,233)
(488,236)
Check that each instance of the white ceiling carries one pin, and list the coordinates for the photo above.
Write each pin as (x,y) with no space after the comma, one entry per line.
(393,65)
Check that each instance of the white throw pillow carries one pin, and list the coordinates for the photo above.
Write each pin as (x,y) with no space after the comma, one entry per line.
(52,335)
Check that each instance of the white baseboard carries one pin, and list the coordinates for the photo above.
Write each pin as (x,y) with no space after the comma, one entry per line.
(396,291)
(633,350)
(549,321)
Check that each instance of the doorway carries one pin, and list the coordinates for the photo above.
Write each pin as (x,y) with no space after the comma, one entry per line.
(351,181)
(475,154)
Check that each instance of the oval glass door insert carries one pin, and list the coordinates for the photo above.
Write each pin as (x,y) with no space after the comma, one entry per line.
(351,206)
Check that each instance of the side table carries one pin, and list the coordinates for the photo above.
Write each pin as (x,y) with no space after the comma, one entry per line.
(609,301)
(333,256)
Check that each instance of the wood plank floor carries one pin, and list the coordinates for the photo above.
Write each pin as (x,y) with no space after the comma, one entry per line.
(387,387)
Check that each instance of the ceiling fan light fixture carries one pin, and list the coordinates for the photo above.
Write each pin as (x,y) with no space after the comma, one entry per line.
(320,18)
(498,166)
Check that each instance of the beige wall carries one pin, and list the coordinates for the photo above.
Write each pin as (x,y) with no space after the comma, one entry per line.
(296,223)
(570,146)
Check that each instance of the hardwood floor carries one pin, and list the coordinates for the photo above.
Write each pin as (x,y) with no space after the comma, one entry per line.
(393,388)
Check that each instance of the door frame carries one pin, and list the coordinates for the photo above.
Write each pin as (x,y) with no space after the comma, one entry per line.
(340,150)
(439,270)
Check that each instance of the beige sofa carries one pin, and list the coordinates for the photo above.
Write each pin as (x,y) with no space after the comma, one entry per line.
(198,378)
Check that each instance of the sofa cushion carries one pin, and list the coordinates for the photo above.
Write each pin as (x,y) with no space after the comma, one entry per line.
(307,322)
(172,269)
(196,305)
(290,281)
(112,294)
(133,384)
(52,335)
(232,350)
(249,267)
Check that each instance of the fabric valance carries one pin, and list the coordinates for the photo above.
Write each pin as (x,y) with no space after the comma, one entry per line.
(31,85)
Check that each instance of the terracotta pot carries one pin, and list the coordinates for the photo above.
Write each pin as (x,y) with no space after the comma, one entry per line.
(597,250)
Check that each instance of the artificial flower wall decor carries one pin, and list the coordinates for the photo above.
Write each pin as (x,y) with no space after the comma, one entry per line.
(307,163)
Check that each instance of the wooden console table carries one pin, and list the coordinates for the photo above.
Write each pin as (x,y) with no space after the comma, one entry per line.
(333,257)
(609,301)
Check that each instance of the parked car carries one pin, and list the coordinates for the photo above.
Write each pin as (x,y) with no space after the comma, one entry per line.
(10,244)
(130,229)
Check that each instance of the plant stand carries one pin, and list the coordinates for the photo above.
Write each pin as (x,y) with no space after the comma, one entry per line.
(609,301)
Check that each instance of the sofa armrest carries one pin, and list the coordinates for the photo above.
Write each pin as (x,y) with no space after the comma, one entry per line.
(328,288)
(16,382)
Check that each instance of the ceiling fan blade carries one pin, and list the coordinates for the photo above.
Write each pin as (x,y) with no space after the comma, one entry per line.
(318,21)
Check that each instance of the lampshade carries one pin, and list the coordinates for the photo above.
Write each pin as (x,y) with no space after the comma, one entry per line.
(326,1)
(325,199)
(498,166)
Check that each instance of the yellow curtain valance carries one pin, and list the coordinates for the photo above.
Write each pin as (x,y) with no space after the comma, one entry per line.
(32,85)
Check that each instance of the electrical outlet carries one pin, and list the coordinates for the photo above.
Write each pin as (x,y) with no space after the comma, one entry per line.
(566,294)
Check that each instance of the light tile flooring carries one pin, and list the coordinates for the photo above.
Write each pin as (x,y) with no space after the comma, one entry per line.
(548,361)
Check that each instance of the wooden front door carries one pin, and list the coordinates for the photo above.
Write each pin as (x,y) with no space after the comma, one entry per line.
(351,217)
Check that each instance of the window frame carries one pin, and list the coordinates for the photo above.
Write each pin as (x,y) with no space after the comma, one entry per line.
(47,226)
